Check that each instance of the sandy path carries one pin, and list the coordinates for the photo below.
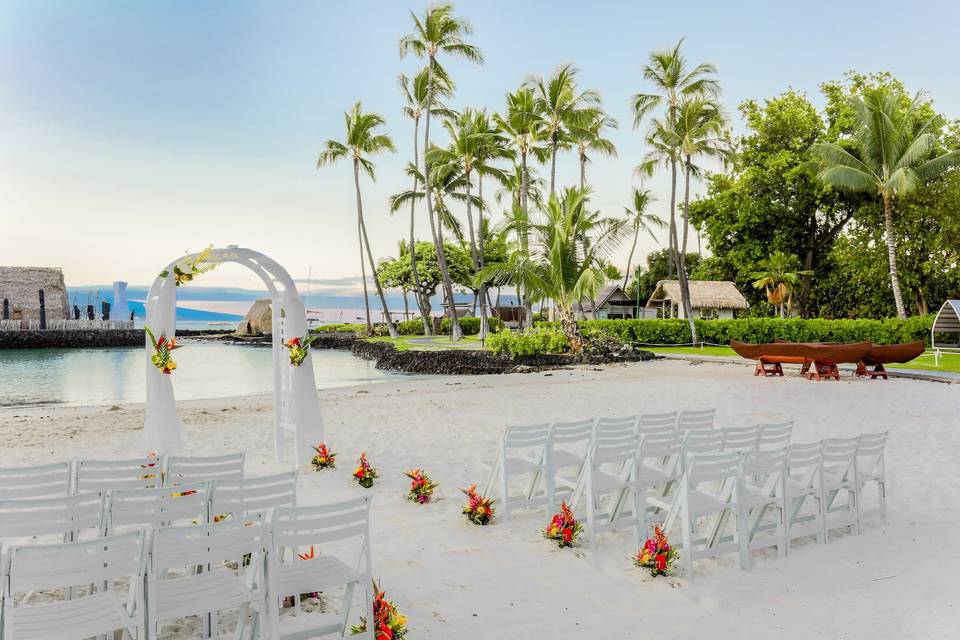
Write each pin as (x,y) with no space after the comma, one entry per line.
(457,580)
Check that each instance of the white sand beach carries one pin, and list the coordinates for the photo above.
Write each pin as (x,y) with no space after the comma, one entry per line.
(456,580)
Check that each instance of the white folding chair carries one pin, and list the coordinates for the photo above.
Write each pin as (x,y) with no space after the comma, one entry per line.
(615,426)
(524,451)
(656,422)
(159,507)
(610,471)
(341,534)
(41,481)
(741,439)
(701,442)
(242,496)
(871,467)
(569,442)
(699,420)
(96,566)
(107,475)
(699,497)
(805,516)
(202,570)
(659,468)
(774,435)
(765,492)
(182,469)
(839,472)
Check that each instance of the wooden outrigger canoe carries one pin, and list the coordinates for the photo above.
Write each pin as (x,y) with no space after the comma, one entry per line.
(817,359)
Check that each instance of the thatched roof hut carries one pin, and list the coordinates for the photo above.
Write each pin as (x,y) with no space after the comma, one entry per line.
(719,296)
(20,286)
(259,319)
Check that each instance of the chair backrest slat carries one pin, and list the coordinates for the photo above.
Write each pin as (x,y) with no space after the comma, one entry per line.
(624,424)
(41,481)
(521,436)
(659,445)
(184,469)
(712,467)
(51,516)
(158,507)
(775,435)
(804,455)
(107,475)
(237,496)
(566,432)
(657,420)
(765,463)
(48,567)
(741,438)
(175,547)
(839,451)
(703,441)
(698,420)
(297,526)
(871,444)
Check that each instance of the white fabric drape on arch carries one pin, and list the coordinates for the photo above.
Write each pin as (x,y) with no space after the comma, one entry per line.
(296,407)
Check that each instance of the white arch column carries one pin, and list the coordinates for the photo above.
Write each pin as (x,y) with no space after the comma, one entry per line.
(296,408)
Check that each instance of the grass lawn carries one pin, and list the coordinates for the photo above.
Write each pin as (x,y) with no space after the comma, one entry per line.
(948,362)
(430,343)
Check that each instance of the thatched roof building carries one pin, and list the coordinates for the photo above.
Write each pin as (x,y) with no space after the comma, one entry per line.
(259,319)
(20,286)
(710,298)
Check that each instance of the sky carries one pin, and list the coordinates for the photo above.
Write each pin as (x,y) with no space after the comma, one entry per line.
(133,132)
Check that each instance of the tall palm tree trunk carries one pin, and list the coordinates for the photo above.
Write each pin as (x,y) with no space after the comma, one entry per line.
(363,276)
(686,208)
(473,244)
(626,278)
(483,287)
(456,333)
(892,255)
(366,241)
(583,171)
(524,237)
(553,167)
(678,257)
(427,329)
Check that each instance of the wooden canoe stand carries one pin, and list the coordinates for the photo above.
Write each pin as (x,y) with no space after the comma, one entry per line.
(879,371)
(822,370)
(766,368)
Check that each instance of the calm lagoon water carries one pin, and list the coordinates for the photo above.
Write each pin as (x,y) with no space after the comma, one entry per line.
(117,375)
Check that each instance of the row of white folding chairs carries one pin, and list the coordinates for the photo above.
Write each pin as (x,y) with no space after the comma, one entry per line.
(199,570)
(669,482)
(65,478)
(544,451)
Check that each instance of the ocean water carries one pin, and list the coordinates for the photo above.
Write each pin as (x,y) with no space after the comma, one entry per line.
(107,376)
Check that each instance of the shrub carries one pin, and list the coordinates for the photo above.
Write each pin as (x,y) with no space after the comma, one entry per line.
(531,342)
(673,331)
(341,327)
(410,327)
(471,325)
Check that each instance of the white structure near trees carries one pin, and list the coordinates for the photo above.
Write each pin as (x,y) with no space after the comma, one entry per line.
(296,408)
(710,299)
(947,321)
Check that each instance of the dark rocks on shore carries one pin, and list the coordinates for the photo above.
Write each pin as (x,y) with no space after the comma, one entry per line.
(77,339)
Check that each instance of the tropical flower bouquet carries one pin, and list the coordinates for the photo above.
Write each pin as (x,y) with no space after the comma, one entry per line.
(421,486)
(656,554)
(187,272)
(162,347)
(563,527)
(324,459)
(478,509)
(299,349)
(364,473)
(388,622)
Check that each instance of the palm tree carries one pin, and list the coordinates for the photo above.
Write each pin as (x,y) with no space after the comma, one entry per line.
(779,276)
(360,143)
(439,31)
(640,220)
(521,125)
(561,108)
(568,264)
(588,137)
(667,70)
(894,154)
(415,95)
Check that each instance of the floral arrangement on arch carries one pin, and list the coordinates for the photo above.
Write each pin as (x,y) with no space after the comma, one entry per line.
(478,509)
(162,348)
(421,486)
(324,458)
(656,554)
(190,270)
(388,622)
(299,349)
(563,527)
(364,473)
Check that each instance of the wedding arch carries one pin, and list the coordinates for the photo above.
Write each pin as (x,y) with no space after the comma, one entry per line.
(296,409)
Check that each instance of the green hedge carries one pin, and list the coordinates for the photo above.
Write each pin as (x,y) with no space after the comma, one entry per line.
(528,343)
(888,331)
(471,325)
